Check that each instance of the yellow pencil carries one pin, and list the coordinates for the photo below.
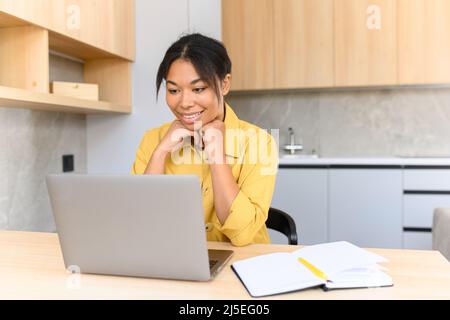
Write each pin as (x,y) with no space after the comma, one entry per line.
(313,269)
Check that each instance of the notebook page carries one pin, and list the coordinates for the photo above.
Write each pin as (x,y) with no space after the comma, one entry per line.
(332,258)
(274,273)
(360,278)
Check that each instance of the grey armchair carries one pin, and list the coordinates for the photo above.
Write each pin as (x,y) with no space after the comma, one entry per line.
(441,231)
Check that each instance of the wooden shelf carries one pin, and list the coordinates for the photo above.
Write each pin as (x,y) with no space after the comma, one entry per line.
(24,70)
(20,98)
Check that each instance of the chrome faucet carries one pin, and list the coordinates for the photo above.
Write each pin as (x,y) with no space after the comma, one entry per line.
(292,147)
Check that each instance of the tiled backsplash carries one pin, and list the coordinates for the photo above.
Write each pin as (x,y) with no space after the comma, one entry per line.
(355,123)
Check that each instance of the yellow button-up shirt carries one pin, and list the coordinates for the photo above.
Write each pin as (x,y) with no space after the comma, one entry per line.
(252,154)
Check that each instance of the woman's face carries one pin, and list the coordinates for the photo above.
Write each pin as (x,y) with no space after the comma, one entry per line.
(190,98)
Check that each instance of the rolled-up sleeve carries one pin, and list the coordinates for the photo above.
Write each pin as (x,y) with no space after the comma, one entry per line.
(249,210)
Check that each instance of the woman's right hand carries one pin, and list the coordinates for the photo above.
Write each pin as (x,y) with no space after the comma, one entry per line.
(174,138)
(171,142)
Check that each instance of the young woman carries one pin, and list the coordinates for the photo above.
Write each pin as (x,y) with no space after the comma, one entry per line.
(236,162)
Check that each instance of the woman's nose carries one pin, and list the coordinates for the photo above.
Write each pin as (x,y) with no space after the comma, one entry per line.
(187,100)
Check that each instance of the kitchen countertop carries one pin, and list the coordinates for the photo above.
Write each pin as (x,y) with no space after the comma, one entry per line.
(382,161)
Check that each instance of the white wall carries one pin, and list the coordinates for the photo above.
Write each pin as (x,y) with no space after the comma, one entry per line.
(112,140)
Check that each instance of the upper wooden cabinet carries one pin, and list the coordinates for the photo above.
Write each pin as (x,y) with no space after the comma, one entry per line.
(424,41)
(247,31)
(365,42)
(104,24)
(303,43)
(411,41)
(337,43)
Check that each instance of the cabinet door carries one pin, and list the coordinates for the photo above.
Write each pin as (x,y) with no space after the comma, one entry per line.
(304,43)
(437,41)
(365,207)
(365,42)
(417,240)
(302,193)
(424,41)
(411,41)
(105,24)
(247,32)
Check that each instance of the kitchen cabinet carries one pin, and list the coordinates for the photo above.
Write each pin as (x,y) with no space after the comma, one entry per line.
(417,240)
(369,205)
(302,193)
(411,41)
(424,41)
(303,43)
(104,24)
(337,43)
(437,41)
(365,42)
(424,191)
(365,207)
(247,31)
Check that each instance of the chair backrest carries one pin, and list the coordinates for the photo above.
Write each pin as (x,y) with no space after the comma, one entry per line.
(281,221)
(441,231)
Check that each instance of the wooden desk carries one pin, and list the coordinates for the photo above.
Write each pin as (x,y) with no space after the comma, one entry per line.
(31,267)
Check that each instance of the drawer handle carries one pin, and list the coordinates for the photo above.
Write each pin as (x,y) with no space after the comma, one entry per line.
(413,229)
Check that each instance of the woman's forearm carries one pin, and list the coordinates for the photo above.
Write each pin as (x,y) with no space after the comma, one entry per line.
(225,190)
(156,163)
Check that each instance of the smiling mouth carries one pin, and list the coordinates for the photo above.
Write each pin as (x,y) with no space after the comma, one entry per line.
(192,117)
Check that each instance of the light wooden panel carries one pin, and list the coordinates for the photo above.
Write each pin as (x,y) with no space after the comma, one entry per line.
(437,43)
(247,32)
(7,20)
(304,43)
(365,57)
(20,98)
(411,41)
(24,58)
(78,90)
(105,24)
(113,77)
(75,48)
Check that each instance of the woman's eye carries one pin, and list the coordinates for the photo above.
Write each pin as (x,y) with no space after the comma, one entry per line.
(172,91)
(198,90)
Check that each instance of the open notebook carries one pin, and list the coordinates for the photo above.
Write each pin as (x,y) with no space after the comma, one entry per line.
(335,265)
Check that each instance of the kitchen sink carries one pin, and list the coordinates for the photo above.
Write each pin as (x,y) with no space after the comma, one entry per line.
(299,156)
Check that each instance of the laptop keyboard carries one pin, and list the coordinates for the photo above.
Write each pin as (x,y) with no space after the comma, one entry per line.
(212,263)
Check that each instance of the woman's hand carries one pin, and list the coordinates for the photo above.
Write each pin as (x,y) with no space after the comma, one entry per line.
(174,138)
(172,141)
(213,135)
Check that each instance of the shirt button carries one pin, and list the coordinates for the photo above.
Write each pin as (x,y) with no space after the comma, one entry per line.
(209,227)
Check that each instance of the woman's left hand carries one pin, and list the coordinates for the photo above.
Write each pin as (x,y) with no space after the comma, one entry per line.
(213,134)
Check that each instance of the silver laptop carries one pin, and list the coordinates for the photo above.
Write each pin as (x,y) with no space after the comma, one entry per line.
(133,225)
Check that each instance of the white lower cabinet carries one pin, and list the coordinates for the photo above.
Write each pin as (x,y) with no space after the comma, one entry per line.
(419,208)
(370,207)
(417,240)
(425,190)
(365,207)
(302,193)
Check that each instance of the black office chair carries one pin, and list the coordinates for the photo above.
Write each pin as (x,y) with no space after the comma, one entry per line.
(281,221)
